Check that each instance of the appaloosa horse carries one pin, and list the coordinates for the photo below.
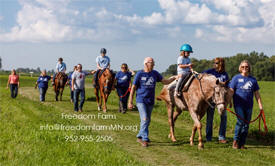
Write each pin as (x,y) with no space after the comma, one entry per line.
(203,90)
(106,83)
(59,84)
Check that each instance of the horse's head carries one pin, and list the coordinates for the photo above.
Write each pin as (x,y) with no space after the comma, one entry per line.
(108,81)
(219,96)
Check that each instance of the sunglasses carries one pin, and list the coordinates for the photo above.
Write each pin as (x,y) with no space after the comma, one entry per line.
(245,67)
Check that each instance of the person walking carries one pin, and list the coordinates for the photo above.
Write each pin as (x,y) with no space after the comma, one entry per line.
(243,87)
(219,72)
(13,84)
(42,83)
(144,85)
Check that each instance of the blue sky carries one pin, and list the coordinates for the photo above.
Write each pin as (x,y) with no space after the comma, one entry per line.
(35,33)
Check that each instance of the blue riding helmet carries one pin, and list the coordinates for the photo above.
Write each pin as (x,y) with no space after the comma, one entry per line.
(103,51)
(186,47)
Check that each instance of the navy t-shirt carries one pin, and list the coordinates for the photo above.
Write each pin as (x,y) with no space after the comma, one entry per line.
(244,88)
(70,78)
(145,84)
(123,79)
(223,76)
(43,81)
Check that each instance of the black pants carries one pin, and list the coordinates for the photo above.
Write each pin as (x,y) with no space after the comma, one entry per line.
(14,90)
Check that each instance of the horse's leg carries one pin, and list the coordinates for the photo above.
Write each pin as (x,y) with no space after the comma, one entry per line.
(198,125)
(97,99)
(101,97)
(170,111)
(61,92)
(176,114)
(56,94)
(104,103)
(194,129)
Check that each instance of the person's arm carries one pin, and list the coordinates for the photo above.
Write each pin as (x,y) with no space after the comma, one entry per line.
(73,84)
(36,85)
(130,102)
(8,83)
(169,80)
(98,67)
(229,96)
(132,72)
(185,66)
(259,100)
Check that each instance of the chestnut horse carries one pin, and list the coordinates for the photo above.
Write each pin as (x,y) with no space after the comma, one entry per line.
(106,83)
(203,90)
(59,84)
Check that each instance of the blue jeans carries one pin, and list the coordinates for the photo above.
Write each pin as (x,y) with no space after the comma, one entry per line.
(14,90)
(145,118)
(209,124)
(78,92)
(241,128)
(42,92)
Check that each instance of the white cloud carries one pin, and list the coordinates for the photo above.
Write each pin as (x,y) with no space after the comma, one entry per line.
(230,20)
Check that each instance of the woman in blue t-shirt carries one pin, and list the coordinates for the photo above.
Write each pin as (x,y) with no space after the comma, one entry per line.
(244,86)
(123,87)
(42,83)
(144,84)
(218,71)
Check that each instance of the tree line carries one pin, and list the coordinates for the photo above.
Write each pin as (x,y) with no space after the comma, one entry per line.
(263,67)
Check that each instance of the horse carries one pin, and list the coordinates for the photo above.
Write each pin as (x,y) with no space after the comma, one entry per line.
(203,90)
(59,84)
(106,83)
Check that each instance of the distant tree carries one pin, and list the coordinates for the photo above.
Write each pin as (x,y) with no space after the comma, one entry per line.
(0,63)
(263,67)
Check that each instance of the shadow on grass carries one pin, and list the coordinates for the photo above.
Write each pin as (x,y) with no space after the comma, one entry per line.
(260,140)
(91,99)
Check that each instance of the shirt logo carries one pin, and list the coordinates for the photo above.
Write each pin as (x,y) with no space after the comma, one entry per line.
(143,78)
(150,81)
(80,76)
(240,80)
(247,85)
(124,78)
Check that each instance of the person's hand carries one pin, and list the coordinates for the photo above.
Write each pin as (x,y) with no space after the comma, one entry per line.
(261,109)
(130,105)
(7,87)
(72,88)
(190,65)
(230,104)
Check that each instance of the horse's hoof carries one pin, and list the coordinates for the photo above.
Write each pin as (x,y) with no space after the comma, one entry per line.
(104,111)
(191,143)
(173,140)
(200,147)
(98,108)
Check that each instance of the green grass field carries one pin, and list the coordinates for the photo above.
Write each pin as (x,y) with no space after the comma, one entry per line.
(24,141)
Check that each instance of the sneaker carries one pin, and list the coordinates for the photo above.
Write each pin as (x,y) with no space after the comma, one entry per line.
(243,147)
(223,141)
(143,143)
(235,145)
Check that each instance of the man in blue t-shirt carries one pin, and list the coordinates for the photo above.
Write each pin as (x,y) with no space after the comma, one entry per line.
(144,84)
(218,71)
(42,83)
(244,86)
(102,62)
(123,86)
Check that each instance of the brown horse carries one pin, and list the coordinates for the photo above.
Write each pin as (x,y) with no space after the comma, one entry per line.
(106,83)
(59,84)
(202,91)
